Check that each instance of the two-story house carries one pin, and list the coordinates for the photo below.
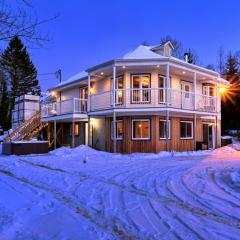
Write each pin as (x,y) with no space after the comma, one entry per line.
(146,101)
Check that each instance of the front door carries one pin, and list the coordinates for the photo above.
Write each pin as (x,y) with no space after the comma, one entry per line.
(209,135)
(187,95)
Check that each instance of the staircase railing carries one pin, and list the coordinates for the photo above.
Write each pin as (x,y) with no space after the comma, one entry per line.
(32,126)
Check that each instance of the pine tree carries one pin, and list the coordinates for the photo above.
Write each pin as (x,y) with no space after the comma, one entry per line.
(4,101)
(20,72)
(231,103)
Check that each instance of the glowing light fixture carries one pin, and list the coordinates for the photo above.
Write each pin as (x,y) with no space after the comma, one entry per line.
(158,66)
(91,90)
(222,90)
(102,73)
(53,94)
(183,72)
(123,67)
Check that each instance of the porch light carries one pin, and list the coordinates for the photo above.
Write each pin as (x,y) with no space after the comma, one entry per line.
(91,90)
(183,72)
(92,122)
(53,94)
(222,90)
(102,73)
(123,67)
(158,66)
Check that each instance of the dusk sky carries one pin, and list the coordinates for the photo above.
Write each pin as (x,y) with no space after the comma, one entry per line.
(90,32)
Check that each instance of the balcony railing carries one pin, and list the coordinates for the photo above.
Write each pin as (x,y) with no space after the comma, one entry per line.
(149,97)
(69,106)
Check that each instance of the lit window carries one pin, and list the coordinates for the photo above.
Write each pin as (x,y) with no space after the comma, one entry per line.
(162,129)
(186,129)
(141,129)
(119,130)
(76,129)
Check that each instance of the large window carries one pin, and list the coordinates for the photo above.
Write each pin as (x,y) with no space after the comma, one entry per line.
(140,88)
(186,129)
(162,129)
(140,129)
(119,130)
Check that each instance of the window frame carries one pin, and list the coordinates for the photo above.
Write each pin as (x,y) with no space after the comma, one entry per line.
(169,133)
(149,129)
(117,138)
(186,121)
(141,101)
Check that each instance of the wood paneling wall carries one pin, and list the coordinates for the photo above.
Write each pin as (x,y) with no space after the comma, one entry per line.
(127,145)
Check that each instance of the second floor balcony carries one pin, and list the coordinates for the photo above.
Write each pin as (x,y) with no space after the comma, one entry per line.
(69,106)
(153,98)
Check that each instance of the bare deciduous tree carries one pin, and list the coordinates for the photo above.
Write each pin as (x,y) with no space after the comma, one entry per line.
(19,20)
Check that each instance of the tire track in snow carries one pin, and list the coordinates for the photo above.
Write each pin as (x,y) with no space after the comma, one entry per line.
(166,201)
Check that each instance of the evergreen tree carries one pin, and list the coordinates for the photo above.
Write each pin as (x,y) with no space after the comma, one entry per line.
(20,72)
(231,102)
(4,102)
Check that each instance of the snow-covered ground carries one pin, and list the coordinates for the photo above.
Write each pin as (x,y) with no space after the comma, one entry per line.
(86,194)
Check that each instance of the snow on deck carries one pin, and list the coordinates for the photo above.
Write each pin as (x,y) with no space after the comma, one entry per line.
(86,194)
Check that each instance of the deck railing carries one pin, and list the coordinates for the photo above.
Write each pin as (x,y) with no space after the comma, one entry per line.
(149,97)
(70,106)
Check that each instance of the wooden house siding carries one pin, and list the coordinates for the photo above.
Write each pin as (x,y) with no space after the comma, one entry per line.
(154,144)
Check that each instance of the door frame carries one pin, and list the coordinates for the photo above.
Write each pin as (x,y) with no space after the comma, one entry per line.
(210,125)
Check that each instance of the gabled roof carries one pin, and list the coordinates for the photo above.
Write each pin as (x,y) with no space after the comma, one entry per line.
(142,52)
(159,46)
(75,78)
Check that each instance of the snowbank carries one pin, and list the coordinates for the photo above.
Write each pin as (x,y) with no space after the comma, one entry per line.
(84,151)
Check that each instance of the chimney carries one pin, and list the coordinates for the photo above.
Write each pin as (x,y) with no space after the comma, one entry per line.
(186,57)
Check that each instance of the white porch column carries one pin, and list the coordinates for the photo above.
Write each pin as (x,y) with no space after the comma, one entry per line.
(113,86)
(195,90)
(114,132)
(168,99)
(167,131)
(55,133)
(73,135)
(89,93)
(216,98)
(195,131)
(216,133)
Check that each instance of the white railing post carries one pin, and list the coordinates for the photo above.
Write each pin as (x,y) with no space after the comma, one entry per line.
(74,110)
(168,84)
(89,94)
(216,97)
(195,90)
(113,86)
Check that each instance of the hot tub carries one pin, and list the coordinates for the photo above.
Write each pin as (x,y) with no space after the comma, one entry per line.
(25,147)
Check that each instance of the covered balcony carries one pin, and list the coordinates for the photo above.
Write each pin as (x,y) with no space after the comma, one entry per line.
(153,98)
(69,106)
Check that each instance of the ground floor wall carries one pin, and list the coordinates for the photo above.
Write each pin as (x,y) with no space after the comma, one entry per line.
(64,134)
(155,144)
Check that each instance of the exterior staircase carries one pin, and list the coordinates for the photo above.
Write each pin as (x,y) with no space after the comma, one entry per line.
(28,129)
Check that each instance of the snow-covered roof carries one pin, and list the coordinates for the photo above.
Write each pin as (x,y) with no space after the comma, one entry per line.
(77,77)
(142,52)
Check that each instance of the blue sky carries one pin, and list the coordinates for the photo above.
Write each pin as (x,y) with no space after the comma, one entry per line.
(89,32)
